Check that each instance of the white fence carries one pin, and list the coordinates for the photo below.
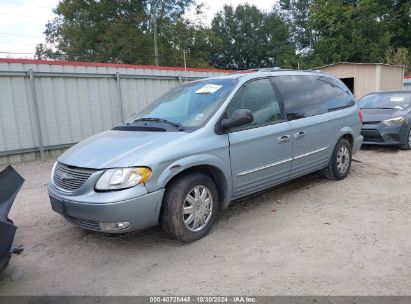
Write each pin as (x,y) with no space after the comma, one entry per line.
(48,106)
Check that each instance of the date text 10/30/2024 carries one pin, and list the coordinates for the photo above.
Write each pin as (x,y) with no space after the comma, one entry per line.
(203,299)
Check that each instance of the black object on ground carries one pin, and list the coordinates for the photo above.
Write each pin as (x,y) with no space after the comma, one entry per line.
(10,184)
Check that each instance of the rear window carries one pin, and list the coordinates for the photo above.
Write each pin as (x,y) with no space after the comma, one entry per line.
(387,100)
(306,96)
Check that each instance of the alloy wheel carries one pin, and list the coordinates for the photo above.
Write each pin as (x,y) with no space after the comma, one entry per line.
(198,207)
(343,160)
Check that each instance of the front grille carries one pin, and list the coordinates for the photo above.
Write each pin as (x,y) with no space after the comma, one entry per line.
(88,224)
(70,178)
(371,135)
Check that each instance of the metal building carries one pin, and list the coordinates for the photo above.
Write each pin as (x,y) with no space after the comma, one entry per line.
(47,106)
(364,78)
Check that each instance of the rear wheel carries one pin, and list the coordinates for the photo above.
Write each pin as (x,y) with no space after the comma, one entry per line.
(407,144)
(189,208)
(340,163)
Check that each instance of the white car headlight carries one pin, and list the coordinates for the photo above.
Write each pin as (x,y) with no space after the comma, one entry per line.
(122,178)
(394,121)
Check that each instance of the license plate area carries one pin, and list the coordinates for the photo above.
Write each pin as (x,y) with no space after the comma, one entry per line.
(57,205)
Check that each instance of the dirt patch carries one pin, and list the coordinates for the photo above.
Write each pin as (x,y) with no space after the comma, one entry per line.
(311,236)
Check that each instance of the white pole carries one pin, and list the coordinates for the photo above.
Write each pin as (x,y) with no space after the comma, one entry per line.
(185,63)
(154,20)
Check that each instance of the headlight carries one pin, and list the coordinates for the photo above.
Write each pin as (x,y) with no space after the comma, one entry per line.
(122,178)
(394,121)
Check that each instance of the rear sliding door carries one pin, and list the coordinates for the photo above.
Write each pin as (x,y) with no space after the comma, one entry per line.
(312,104)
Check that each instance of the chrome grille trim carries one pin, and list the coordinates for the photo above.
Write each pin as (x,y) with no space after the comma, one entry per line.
(70,178)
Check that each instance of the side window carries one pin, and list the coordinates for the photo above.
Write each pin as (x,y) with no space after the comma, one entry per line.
(259,97)
(306,96)
(342,99)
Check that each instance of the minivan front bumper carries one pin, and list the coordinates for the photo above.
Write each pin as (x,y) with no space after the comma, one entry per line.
(139,212)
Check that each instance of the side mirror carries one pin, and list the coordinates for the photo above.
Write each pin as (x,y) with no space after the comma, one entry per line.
(240,117)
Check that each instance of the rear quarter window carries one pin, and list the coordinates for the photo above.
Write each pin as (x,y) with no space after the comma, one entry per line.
(306,96)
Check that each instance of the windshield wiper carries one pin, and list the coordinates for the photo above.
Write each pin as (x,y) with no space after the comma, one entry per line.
(378,108)
(172,123)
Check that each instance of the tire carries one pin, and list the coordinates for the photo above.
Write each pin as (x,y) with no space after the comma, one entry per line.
(407,144)
(336,170)
(175,215)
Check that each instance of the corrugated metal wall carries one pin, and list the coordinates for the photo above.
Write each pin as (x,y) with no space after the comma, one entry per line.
(364,76)
(70,102)
(392,77)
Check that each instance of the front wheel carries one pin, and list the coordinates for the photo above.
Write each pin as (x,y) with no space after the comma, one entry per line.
(340,163)
(189,207)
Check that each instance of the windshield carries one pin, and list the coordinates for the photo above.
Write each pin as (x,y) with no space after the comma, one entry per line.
(387,101)
(188,105)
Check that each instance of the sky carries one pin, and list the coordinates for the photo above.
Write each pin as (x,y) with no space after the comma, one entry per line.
(22,22)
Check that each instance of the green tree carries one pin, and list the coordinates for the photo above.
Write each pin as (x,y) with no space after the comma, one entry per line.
(303,33)
(396,16)
(296,13)
(110,31)
(244,38)
(399,56)
(192,37)
(167,11)
(347,30)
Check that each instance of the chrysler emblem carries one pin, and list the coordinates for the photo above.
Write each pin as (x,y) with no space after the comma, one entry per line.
(65,176)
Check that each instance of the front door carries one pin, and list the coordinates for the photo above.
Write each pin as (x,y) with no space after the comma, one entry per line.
(260,152)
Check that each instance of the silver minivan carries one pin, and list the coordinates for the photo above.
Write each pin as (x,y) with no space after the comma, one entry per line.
(203,144)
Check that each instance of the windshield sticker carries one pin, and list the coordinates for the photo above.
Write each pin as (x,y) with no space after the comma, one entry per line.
(397,99)
(199,116)
(209,89)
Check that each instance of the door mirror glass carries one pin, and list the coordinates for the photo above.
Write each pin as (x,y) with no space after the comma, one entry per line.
(238,118)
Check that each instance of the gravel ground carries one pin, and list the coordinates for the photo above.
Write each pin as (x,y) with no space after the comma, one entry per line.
(309,237)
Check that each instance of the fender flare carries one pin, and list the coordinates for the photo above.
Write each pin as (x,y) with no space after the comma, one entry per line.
(188,162)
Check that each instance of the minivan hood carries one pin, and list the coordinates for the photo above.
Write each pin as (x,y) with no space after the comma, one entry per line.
(378,115)
(111,149)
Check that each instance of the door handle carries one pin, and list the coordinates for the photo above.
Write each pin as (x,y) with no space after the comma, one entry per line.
(299,134)
(283,139)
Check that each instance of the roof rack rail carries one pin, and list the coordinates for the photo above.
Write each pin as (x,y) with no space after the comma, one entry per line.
(271,69)
(313,70)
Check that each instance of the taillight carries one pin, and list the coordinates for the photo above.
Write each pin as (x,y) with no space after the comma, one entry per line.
(361,114)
